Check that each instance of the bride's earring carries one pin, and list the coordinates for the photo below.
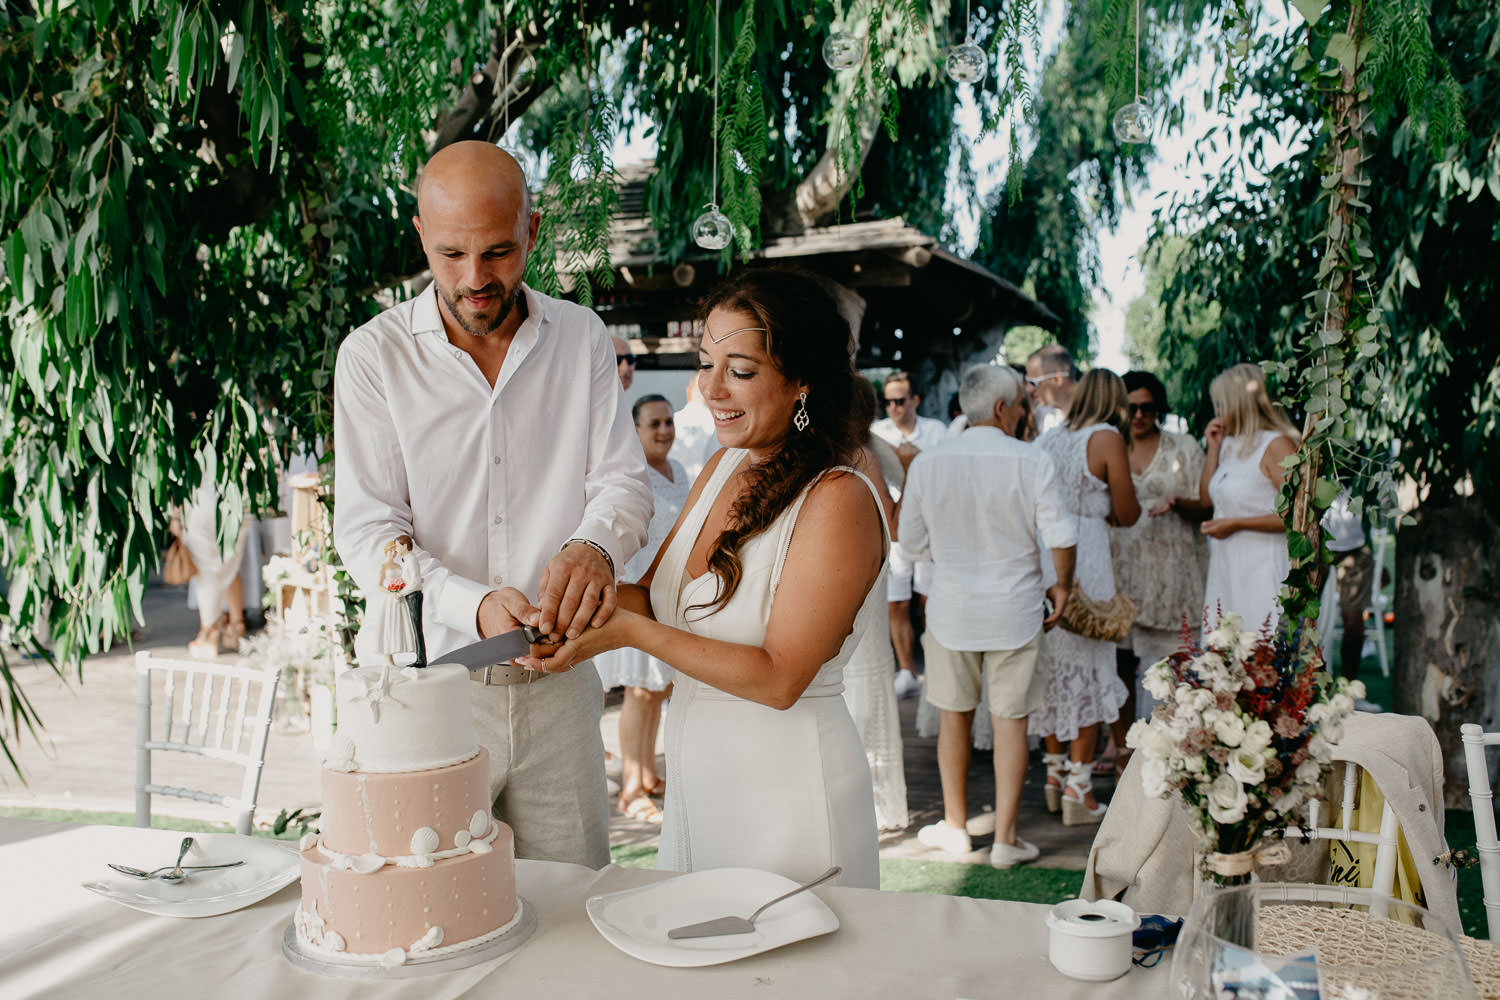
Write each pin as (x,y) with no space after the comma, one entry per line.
(800,419)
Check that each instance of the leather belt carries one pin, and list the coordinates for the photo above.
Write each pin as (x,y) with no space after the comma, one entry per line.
(507,673)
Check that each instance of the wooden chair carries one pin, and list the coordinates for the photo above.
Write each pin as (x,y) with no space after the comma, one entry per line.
(1385,840)
(1475,739)
(217,711)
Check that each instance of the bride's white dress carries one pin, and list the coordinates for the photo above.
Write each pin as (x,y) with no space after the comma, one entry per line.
(750,786)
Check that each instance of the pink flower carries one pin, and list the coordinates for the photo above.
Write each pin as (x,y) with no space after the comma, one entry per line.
(1286,726)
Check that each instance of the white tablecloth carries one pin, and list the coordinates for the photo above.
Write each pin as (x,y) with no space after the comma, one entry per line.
(59,940)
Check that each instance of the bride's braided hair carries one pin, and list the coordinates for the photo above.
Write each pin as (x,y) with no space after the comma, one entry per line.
(808,341)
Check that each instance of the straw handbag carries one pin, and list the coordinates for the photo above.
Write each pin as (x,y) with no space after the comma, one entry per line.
(1107,621)
(177,566)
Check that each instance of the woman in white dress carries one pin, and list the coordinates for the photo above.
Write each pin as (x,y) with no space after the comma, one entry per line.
(1160,560)
(1083,689)
(217,579)
(647,680)
(1247,553)
(759,596)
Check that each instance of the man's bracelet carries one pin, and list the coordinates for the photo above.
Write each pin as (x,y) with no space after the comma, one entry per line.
(597,548)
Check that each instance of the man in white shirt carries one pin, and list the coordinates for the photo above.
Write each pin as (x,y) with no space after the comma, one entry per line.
(485,420)
(976,505)
(909,434)
(696,439)
(1051,379)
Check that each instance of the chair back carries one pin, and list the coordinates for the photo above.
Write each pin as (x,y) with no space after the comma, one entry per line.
(1487,845)
(1319,827)
(217,711)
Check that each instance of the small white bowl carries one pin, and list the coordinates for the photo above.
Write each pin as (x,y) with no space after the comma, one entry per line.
(1091,940)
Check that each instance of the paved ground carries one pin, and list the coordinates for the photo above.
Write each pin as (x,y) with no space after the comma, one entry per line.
(86,760)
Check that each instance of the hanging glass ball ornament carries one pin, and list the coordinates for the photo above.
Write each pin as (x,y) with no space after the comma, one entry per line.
(712,230)
(1133,122)
(966,63)
(842,50)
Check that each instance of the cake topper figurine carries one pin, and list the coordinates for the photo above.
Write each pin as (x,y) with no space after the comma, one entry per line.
(393,615)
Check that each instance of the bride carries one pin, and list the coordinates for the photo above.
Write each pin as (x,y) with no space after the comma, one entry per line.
(760,594)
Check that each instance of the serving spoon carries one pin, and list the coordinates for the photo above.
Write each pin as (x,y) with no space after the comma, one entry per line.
(161,872)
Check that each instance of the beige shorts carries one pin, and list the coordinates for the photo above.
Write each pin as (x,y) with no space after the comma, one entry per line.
(1017,686)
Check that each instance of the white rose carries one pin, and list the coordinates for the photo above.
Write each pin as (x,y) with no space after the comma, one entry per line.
(1229,728)
(1308,772)
(1227,800)
(1195,764)
(1356,689)
(1247,766)
(1342,704)
(1158,680)
(1154,773)
(1204,700)
(1257,736)
(1180,724)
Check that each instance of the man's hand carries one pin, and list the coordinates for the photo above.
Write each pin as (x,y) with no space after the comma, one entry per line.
(577,591)
(906,451)
(503,610)
(1058,595)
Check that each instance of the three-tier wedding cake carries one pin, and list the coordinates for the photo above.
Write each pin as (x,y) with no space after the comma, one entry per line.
(409,864)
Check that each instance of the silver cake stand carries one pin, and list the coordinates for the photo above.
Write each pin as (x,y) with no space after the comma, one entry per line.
(313,961)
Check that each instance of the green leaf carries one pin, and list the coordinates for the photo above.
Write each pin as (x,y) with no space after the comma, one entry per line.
(1311,10)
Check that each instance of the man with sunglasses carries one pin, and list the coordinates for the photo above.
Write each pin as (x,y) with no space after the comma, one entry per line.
(909,434)
(624,362)
(1051,380)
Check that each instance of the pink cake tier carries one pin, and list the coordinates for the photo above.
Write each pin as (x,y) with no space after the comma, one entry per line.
(397,816)
(395,914)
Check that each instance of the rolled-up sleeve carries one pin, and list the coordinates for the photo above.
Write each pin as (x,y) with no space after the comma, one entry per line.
(617,492)
(371,496)
(912,527)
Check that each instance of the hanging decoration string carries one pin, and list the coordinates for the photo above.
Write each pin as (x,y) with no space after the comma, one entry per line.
(1137,50)
(1133,122)
(716,102)
(712,230)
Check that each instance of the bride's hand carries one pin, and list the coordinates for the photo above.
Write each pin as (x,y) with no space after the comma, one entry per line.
(559,658)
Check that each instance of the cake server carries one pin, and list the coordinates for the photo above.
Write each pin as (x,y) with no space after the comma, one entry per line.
(500,648)
(743,925)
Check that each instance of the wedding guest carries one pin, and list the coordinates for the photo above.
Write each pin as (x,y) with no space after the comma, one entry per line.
(695,442)
(867,676)
(983,507)
(760,595)
(1247,552)
(1160,560)
(1083,689)
(1354,580)
(1051,381)
(909,434)
(624,362)
(221,609)
(647,680)
(484,419)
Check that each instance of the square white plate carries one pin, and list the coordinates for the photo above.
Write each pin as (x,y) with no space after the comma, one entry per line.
(269,866)
(636,921)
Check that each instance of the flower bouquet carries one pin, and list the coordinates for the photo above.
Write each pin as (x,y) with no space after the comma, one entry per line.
(1243,735)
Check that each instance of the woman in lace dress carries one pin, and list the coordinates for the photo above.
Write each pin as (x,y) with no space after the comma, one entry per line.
(1160,560)
(759,596)
(1247,554)
(647,680)
(1083,690)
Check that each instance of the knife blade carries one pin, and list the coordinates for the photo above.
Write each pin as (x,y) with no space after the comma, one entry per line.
(500,648)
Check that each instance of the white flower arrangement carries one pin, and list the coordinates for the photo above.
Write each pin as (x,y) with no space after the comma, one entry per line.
(1242,733)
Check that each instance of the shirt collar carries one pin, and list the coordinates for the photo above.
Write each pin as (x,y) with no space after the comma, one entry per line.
(426,318)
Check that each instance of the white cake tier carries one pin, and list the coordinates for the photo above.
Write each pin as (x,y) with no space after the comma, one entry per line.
(402,719)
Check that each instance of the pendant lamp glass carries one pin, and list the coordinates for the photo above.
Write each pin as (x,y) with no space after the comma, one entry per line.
(843,50)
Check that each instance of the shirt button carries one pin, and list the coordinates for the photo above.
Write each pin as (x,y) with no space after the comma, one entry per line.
(497,459)
(498,519)
(499,580)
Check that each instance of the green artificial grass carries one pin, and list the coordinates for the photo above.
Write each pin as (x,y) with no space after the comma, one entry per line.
(1025,884)
(128,819)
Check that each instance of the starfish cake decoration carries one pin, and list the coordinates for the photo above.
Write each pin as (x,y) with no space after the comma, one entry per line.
(377,692)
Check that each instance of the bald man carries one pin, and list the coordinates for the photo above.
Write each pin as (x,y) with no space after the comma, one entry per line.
(485,420)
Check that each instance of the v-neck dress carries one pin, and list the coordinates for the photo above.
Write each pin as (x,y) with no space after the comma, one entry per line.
(748,785)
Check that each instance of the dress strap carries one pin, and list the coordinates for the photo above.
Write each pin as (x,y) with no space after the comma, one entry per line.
(674,563)
(790,518)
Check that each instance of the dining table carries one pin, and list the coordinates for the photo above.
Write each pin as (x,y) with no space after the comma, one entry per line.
(58,939)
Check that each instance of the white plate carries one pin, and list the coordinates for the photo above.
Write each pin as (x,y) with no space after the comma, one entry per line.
(269,866)
(636,921)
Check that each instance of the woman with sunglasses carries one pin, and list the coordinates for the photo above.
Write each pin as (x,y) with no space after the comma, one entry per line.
(1160,560)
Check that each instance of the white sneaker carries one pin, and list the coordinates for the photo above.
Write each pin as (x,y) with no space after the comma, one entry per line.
(1010,855)
(907,684)
(945,837)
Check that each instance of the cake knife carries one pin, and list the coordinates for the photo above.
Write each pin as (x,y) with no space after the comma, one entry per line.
(500,648)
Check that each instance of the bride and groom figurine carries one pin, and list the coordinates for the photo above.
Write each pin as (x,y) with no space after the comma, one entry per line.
(394,613)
